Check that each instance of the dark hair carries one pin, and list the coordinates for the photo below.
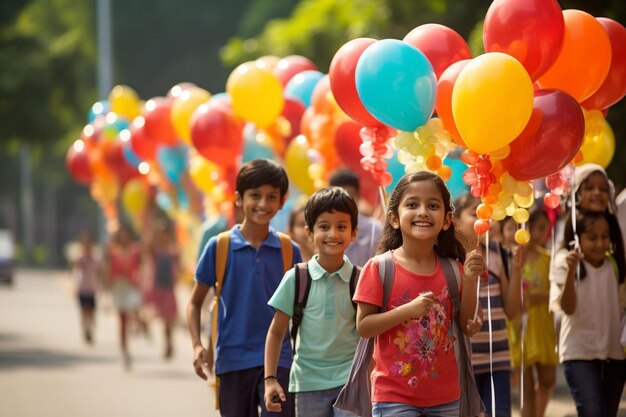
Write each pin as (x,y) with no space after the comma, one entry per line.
(292,216)
(536,212)
(259,172)
(447,244)
(584,221)
(329,200)
(464,202)
(345,178)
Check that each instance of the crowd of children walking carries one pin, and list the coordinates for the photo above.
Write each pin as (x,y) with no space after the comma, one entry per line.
(413,316)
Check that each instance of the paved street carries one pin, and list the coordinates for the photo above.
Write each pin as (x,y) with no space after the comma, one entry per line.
(47,371)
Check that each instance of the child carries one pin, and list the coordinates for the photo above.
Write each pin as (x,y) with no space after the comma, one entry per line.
(254,269)
(327,337)
(538,335)
(364,246)
(505,301)
(297,232)
(85,272)
(163,252)
(589,342)
(415,367)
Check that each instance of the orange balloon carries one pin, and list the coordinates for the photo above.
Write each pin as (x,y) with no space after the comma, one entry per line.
(584,60)
(443,104)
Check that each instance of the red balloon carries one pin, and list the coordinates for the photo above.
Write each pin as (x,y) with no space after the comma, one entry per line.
(341,73)
(141,143)
(113,154)
(320,99)
(531,31)
(551,138)
(613,89)
(292,65)
(443,104)
(77,163)
(293,111)
(441,45)
(216,134)
(158,123)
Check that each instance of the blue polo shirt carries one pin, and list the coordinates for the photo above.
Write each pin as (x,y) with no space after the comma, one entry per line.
(251,277)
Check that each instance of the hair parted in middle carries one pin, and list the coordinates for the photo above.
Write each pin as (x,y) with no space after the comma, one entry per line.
(329,200)
(259,172)
(447,244)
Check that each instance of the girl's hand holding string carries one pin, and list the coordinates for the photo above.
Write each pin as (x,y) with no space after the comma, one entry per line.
(420,305)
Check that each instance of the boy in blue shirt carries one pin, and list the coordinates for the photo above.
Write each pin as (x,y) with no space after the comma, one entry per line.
(253,270)
(326,338)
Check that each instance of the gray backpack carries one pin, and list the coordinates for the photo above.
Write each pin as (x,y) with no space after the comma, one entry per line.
(355,396)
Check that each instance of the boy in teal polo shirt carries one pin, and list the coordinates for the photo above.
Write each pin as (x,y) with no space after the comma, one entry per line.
(253,270)
(327,336)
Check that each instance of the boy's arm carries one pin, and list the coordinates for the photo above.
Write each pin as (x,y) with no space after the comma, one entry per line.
(273,344)
(201,357)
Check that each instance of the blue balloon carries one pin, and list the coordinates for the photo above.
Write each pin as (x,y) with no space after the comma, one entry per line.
(396,169)
(183,198)
(301,86)
(98,109)
(164,201)
(173,161)
(397,84)
(251,148)
(130,155)
(455,184)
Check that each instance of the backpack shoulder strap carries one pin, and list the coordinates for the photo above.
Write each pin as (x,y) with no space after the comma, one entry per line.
(453,278)
(286,249)
(301,295)
(356,272)
(221,256)
(386,271)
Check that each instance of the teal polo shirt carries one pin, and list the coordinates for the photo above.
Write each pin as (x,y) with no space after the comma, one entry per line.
(327,336)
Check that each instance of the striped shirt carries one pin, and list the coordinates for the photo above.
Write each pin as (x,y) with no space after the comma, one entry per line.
(500,341)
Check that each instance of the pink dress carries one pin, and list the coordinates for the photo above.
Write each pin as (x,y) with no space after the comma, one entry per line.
(124,275)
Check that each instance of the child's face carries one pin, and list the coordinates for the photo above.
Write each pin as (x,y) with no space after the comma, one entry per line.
(509,227)
(260,204)
(421,213)
(595,242)
(298,232)
(465,223)
(539,230)
(332,233)
(593,194)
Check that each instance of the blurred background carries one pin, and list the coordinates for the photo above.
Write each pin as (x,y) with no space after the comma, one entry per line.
(55,62)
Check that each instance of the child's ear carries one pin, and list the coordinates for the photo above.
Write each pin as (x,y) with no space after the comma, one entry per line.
(282,201)
(393,220)
(447,221)
(355,232)
(238,199)
(309,233)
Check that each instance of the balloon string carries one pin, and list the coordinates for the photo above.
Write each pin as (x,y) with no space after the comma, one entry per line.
(383,198)
(493,389)
(478,284)
(573,219)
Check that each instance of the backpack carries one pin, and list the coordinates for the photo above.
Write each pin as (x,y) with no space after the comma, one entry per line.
(355,396)
(301,295)
(221,257)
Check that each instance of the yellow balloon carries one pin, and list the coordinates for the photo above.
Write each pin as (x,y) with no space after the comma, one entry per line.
(124,102)
(520,215)
(134,197)
(492,101)
(297,165)
(257,95)
(267,62)
(203,173)
(599,149)
(524,201)
(182,109)
(104,189)
(522,236)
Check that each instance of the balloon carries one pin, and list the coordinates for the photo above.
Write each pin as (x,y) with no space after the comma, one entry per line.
(455,184)
(397,171)
(293,111)
(396,84)
(613,88)
(179,89)
(113,155)
(158,123)
(182,109)
(98,109)
(127,150)
(268,62)
(256,94)
(301,86)
(342,80)
(204,174)
(124,102)
(173,161)
(252,148)
(77,163)
(600,148)
(297,165)
(441,45)
(584,60)
(478,101)
(322,99)
(216,134)
(551,138)
(135,197)
(531,31)
(443,104)
(140,142)
(290,66)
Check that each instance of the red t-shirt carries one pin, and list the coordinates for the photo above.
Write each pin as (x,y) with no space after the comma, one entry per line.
(415,361)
